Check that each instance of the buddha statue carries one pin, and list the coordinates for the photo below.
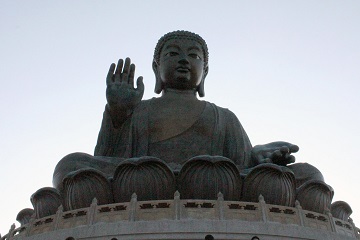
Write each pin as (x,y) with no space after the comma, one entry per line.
(176,126)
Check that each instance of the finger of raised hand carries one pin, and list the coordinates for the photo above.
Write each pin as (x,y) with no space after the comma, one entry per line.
(127,65)
(125,72)
(118,70)
(131,75)
(109,77)
(140,86)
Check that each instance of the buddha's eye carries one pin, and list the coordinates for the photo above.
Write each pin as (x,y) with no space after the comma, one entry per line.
(194,55)
(172,54)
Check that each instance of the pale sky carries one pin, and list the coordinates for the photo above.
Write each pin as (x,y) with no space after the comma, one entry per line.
(289,70)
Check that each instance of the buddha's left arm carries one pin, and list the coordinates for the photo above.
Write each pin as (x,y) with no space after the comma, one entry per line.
(275,152)
(237,145)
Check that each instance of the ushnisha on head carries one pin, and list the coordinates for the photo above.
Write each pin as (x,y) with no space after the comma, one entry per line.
(181,62)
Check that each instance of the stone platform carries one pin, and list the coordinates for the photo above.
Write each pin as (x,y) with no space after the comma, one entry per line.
(185,219)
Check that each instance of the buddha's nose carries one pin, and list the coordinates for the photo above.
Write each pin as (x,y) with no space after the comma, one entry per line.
(183,59)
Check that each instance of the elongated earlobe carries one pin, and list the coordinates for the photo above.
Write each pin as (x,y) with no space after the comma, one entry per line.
(158,82)
(158,86)
(201,88)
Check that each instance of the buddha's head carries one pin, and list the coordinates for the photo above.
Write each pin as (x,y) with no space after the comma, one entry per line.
(181,62)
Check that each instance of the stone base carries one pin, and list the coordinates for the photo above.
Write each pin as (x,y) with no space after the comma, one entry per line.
(188,229)
(185,219)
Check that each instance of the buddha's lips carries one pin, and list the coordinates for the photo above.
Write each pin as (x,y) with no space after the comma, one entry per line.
(183,69)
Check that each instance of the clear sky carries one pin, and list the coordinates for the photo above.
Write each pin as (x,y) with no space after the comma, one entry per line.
(290,70)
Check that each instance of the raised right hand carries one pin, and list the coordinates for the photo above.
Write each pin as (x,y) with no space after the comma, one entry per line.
(120,92)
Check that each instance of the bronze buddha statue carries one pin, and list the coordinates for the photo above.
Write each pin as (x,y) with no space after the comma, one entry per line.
(176,126)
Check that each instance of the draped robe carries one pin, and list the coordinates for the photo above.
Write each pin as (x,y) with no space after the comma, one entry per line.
(216,132)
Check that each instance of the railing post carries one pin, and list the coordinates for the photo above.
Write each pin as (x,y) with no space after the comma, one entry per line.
(92,212)
(263,208)
(300,213)
(220,203)
(58,216)
(30,225)
(332,222)
(356,234)
(11,232)
(132,209)
(177,205)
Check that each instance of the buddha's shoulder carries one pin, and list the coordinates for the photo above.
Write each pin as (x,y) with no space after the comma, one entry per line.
(144,104)
(221,110)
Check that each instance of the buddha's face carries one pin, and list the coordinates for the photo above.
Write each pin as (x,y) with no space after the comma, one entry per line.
(181,64)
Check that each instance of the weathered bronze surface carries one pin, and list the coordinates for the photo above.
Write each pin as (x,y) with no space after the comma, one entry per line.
(96,184)
(24,216)
(150,178)
(315,195)
(341,210)
(177,125)
(275,183)
(46,201)
(203,177)
(150,142)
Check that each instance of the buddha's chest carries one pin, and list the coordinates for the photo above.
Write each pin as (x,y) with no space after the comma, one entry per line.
(169,120)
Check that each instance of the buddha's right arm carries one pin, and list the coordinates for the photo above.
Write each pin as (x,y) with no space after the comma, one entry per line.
(117,116)
(110,134)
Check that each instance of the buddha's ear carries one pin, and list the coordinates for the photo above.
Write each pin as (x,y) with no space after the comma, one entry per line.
(201,87)
(158,82)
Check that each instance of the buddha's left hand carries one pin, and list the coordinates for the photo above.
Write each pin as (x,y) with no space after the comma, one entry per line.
(275,152)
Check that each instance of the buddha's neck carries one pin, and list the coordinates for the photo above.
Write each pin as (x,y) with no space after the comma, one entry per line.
(170,93)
